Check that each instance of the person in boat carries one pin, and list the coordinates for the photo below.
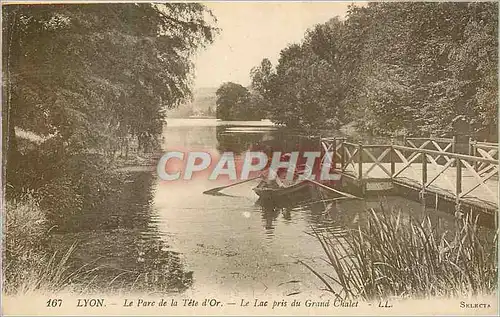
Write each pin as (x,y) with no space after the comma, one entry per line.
(280,181)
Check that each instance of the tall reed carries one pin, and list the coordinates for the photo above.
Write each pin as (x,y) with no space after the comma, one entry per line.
(395,257)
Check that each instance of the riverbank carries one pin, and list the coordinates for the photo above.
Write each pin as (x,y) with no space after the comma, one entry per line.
(44,252)
(103,249)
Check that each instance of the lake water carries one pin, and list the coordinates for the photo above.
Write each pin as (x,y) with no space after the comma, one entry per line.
(160,237)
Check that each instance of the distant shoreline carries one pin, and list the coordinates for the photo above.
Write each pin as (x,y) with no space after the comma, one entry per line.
(173,122)
(200,117)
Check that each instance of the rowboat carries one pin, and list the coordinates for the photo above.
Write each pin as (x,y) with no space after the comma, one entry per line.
(264,191)
(270,193)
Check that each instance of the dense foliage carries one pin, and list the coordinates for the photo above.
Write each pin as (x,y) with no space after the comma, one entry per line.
(235,102)
(391,67)
(82,83)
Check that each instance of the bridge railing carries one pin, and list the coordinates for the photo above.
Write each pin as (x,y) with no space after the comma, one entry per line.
(366,160)
(333,144)
(476,148)
(432,143)
(485,150)
(435,168)
(457,176)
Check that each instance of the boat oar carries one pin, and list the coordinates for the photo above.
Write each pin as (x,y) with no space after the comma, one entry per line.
(333,190)
(215,191)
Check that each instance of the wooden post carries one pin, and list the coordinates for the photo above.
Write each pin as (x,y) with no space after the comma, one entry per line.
(320,144)
(458,164)
(458,208)
(470,146)
(334,154)
(360,163)
(424,171)
(453,142)
(391,156)
(342,157)
(474,153)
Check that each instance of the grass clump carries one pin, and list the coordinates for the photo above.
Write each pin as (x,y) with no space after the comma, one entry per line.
(393,257)
(27,265)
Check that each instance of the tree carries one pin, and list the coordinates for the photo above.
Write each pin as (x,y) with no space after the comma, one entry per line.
(87,79)
(234,103)
(262,77)
(405,77)
(474,68)
(305,91)
(390,68)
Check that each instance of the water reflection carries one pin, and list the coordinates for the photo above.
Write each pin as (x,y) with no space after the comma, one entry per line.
(240,139)
(287,214)
(269,215)
(321,212)
(237,244)
(118,246)
(311,202)
(151,236)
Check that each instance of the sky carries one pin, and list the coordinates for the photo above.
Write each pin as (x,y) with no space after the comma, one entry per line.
(251,31)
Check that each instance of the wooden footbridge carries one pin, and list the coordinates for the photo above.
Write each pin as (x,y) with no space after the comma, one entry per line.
(429,167)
